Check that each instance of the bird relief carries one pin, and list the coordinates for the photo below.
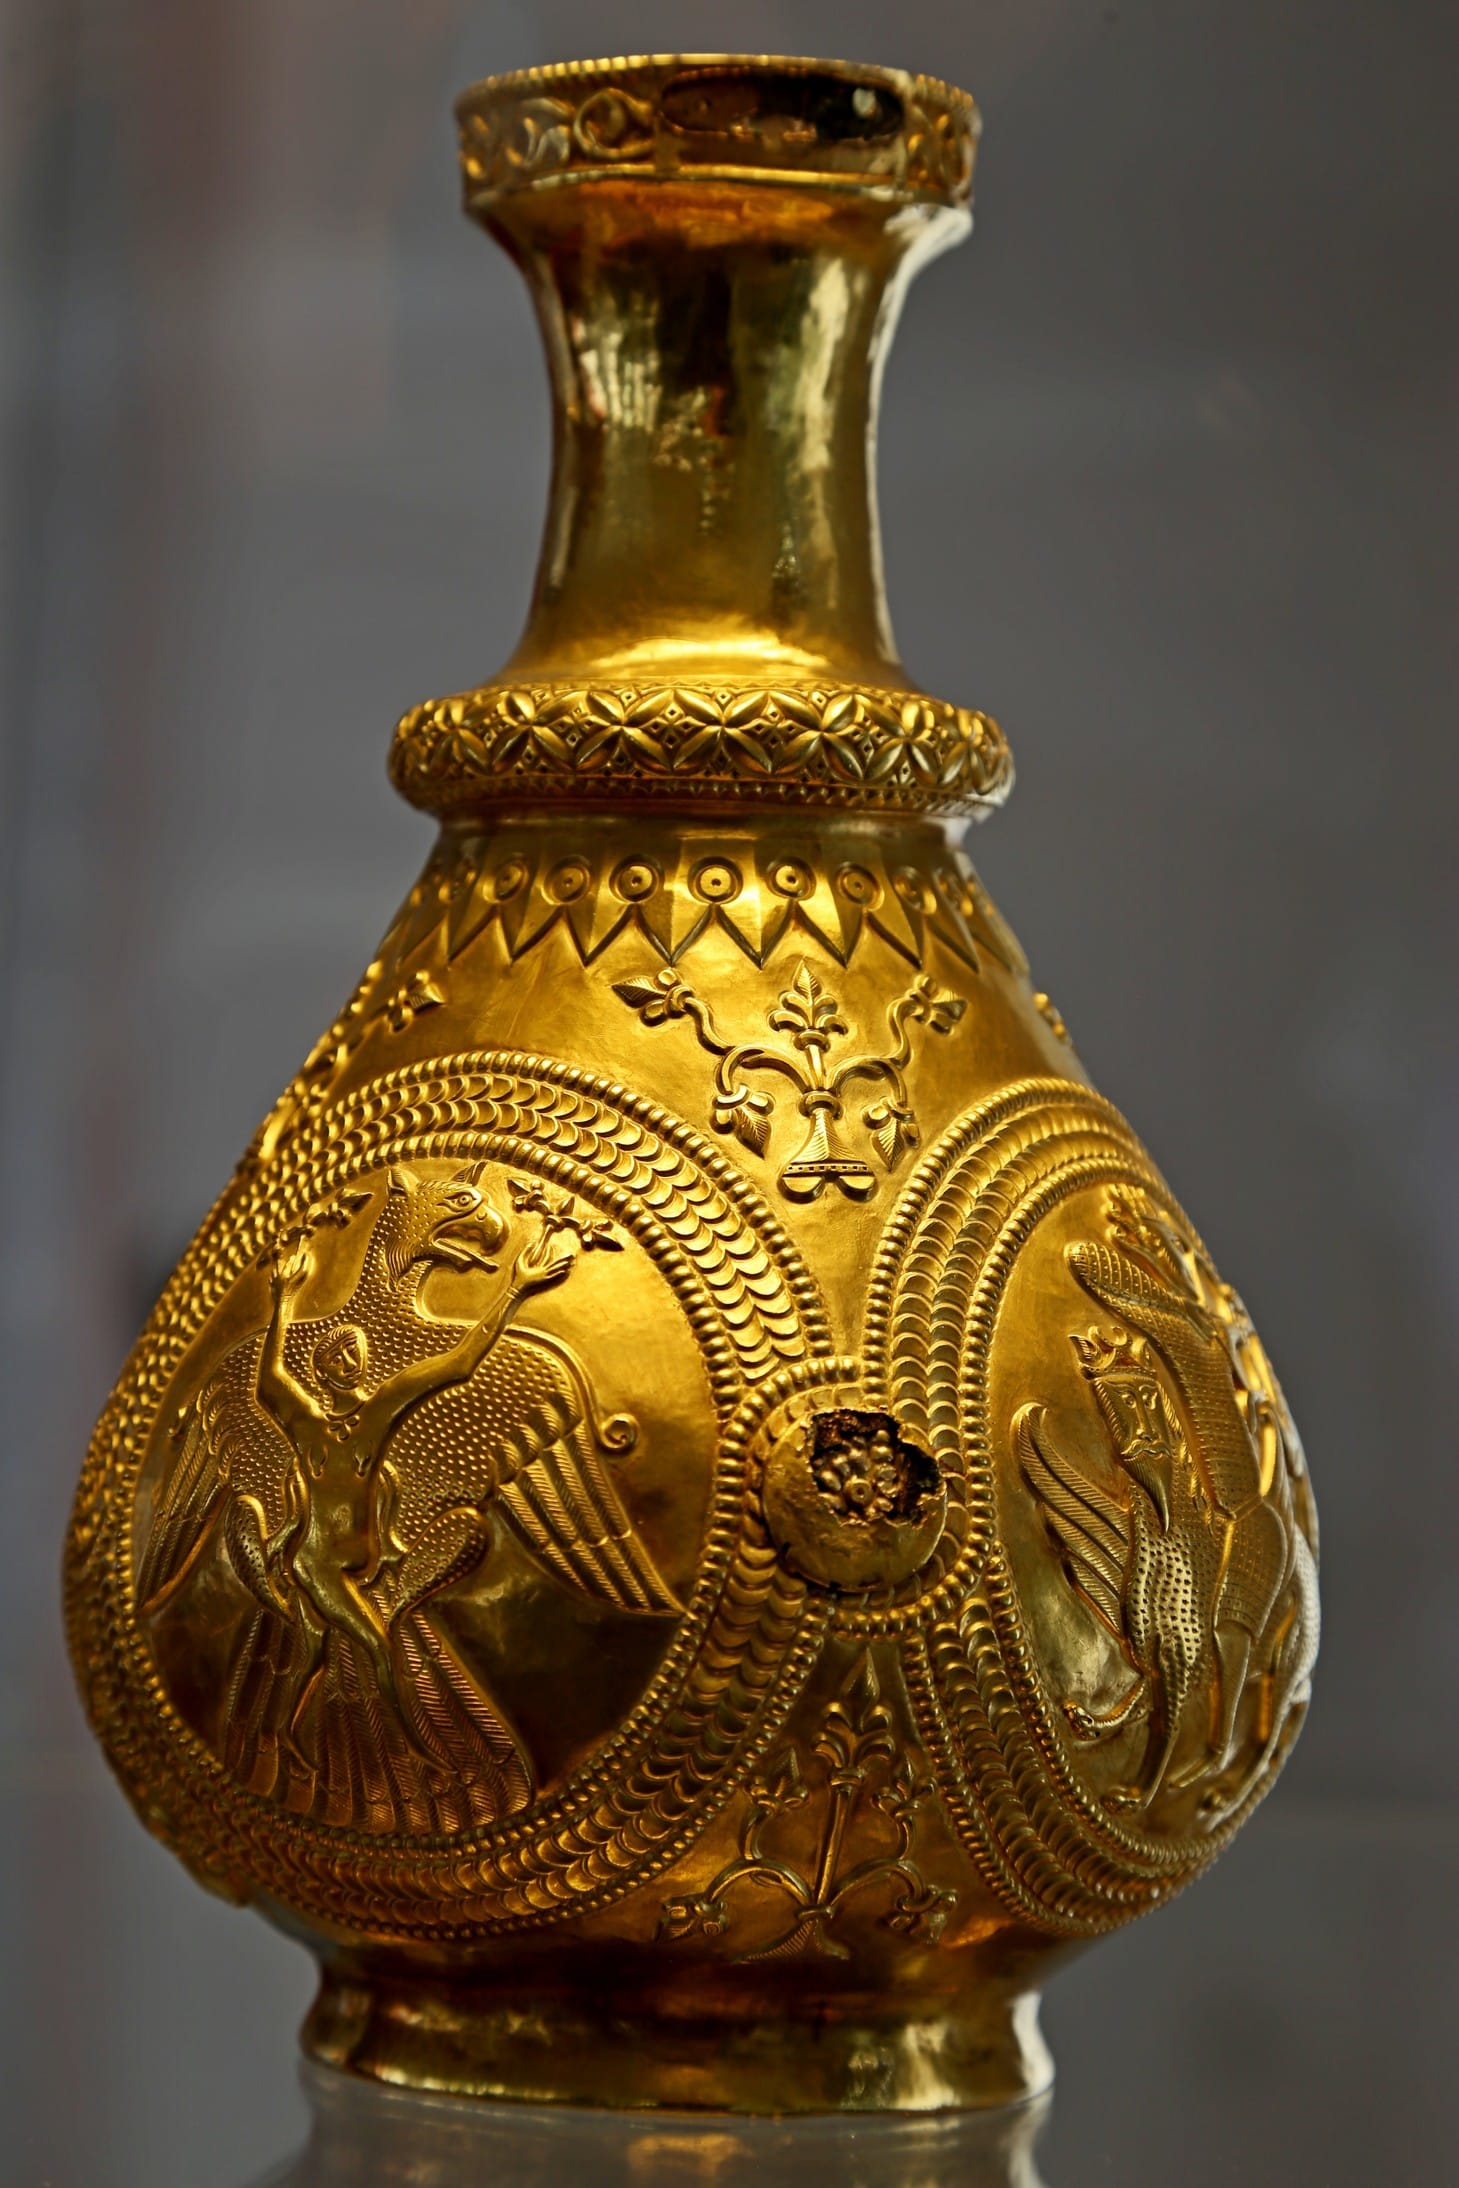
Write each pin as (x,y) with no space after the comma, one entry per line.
(1197,1553)
(812,1019)
(346,1697)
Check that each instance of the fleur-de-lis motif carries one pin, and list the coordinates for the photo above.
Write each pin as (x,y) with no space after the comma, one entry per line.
(336,1213)
(863,1767)
(560,1212)
(806,1012)
(814,1021)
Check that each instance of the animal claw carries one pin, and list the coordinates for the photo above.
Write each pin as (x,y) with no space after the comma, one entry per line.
(1084,1722)
(290,1747)
(1089,1724)
(1122,1797)
(1181,1781)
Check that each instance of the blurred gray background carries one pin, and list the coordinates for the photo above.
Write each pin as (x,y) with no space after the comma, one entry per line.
(1169,484)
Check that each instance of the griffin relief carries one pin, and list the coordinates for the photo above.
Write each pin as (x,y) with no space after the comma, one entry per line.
(346,1694)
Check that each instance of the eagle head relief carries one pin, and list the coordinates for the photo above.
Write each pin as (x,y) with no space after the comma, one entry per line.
(433,1223)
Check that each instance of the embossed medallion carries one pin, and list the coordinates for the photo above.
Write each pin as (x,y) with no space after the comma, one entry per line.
(1158,1483)
(325,1492)
(1197,1551)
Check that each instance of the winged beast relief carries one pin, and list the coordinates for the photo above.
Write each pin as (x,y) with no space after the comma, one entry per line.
(293,1470)
(1197,1553)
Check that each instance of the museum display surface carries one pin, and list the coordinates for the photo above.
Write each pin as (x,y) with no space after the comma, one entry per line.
(697,1515)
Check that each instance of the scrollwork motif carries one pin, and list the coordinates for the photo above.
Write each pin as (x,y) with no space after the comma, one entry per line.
(907,132)
(508,885)
(812,1019)
(867,1772)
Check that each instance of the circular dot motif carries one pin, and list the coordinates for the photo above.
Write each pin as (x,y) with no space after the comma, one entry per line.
(636,879)
(716,880)
(858,886)
(790,877)
(911,888)
(568,880)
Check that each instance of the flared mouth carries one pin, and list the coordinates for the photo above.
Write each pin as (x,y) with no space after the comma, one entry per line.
(838,125)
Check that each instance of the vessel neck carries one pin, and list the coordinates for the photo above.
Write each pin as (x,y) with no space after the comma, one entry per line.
(716,354)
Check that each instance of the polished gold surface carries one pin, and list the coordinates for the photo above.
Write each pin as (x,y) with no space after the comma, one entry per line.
(696,1512)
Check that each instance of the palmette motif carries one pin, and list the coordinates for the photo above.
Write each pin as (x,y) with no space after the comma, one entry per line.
(696,1503)
(814,1023)
(877,750)
(862,1762)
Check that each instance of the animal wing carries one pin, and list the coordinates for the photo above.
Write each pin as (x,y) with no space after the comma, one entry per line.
(1090,1527)
(227,1448)
(527,1420)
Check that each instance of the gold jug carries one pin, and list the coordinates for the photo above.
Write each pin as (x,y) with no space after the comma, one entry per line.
(697,1515)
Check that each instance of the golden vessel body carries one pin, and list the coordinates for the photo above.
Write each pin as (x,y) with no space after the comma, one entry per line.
(697,1514)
